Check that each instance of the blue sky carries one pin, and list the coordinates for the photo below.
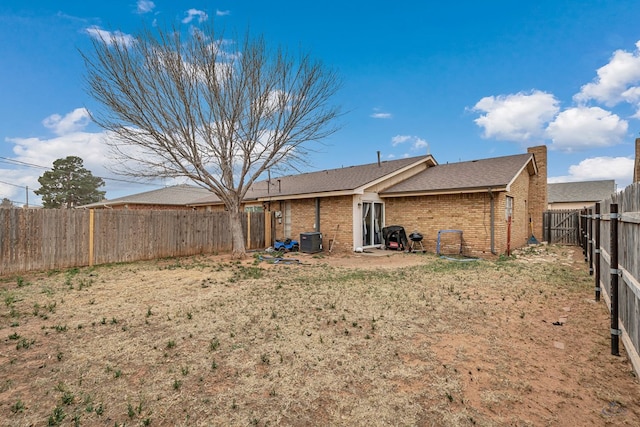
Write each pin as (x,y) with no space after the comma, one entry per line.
(462,80)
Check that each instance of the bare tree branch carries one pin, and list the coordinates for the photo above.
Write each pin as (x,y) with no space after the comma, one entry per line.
(215,111)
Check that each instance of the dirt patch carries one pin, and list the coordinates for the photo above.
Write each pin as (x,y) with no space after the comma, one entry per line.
(362,339)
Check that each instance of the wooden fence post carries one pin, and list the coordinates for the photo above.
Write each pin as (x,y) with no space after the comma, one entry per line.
(583,222)
(546,223)
(267,228)
(615,329)
(248,230)
(91,233)
(590,239)
(597,252)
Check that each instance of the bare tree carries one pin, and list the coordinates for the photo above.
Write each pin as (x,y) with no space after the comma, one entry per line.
(216,111)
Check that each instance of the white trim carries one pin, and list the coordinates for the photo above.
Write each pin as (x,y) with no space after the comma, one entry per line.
(362,189)
(443,192)
(535,170)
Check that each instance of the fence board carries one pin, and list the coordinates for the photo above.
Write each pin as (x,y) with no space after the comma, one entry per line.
(59,238)
(628,261)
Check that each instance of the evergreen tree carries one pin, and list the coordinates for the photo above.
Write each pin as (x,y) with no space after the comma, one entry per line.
(6,204)
(69,184)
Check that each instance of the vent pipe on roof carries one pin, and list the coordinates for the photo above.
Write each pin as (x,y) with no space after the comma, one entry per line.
(379,158)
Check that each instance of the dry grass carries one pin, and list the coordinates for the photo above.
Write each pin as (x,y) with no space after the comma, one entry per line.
(336,341)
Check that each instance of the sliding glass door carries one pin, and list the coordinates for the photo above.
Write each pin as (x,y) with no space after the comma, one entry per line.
(372,221)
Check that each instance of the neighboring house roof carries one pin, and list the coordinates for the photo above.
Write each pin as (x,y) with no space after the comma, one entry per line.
(177,195)
(585,191)
(496,173)
(347,180)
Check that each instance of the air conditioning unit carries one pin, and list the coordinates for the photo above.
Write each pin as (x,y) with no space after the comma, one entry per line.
(311,243)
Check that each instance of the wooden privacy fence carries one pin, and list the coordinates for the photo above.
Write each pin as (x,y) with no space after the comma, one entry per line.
(561,226)
(612,249)
(47,239)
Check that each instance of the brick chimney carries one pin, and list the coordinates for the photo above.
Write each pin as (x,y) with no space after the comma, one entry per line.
(636,165)
(538,189)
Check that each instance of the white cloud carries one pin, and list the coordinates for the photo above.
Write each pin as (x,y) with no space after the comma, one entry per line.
(193,14)
(417,143)
(616,82)
(223,12)
(582,128)
(145,6)
(519,117)
(110,37)
(74,121)
(597,168)
(381,115)
(399,139)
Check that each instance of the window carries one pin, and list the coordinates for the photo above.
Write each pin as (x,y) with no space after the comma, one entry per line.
(508,210)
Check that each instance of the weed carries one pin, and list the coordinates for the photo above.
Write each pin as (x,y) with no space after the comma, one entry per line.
(171,344)
(189,315)
(117,373)
(14,324)
(58,415)
(25,343)
(177,384)
(9,299)
(21,282)
(264,358)
(245,273)
(114,321)
(60,328)
(18,407)
(214,365)
(149,313)
(130,412)
(146,422)
(99,409)
(84,284)
(51,307)
(103,321)
(214,344)
(68,398)
(184,370)
(14,336)
(59,356)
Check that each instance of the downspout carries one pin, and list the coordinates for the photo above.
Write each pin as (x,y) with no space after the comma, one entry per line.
(318,214)
(492,221)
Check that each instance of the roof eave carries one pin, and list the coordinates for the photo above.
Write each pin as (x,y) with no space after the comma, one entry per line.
(499,188)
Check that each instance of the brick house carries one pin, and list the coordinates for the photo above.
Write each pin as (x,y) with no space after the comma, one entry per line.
(351,205)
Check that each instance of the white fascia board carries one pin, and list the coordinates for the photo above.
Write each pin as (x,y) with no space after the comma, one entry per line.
(362,189)
(445,192)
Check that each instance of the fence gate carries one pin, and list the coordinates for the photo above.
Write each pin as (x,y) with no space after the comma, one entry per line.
(562,226)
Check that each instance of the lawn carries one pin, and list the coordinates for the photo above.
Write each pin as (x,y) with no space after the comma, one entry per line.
(370,339)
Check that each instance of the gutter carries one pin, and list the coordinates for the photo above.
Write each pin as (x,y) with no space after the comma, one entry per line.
(492,221)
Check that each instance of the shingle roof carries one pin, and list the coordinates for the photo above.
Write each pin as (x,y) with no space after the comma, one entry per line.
(332,180)
(585,191)
(496,172)
(177,195)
